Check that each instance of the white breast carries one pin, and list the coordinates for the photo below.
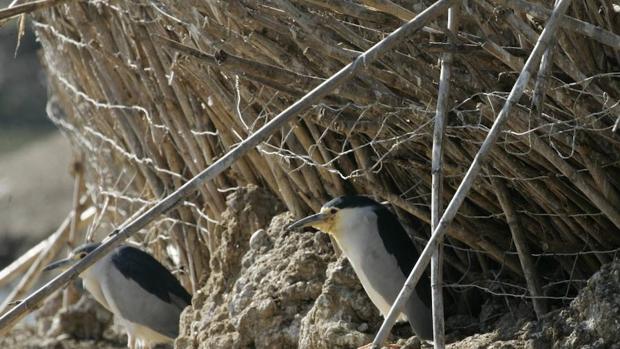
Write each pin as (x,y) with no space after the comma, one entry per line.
(377,270)
(90,281)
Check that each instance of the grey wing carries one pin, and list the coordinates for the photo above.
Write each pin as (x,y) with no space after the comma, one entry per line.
(137,305)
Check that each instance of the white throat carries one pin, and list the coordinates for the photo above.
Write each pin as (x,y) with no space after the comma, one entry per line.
(356,228)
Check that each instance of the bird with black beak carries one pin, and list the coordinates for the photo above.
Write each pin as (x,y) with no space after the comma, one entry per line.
(380,252)
(143,295)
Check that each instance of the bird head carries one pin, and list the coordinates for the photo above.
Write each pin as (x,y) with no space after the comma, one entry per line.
(340,214)
(75,255)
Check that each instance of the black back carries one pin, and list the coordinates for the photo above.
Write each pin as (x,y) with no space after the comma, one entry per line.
(394,237)
(141,267)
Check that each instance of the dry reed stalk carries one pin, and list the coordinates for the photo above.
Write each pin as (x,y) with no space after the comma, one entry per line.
(569,23)
(55,243)
(439,340)
(19,9)
(527,263)
(70,295)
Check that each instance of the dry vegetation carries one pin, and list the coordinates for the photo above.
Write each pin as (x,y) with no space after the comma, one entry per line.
(153,92)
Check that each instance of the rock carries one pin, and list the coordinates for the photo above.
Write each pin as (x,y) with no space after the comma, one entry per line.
(591,321)
(599,303)
(24,337)
(270,288)
(273,290)
(261,282)
(593,318)
(260,239)
(85,319)
(340,316)
(271,296)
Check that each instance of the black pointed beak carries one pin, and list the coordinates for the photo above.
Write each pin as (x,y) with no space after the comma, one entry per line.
(58,264)
(308,221)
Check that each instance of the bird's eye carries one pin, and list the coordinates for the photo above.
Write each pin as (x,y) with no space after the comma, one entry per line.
(333,210)
(82,255)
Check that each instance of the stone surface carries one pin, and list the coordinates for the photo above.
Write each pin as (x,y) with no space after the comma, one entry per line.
(86,319)
(591,321)
(593,318)
(263,279)
(342,316)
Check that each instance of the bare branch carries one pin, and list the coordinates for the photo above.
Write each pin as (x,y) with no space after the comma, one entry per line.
(441,115)
(527,263)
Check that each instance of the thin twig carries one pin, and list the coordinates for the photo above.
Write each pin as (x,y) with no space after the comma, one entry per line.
(394,9)
(70,295)
(472,173)
(441,115)
(169,202)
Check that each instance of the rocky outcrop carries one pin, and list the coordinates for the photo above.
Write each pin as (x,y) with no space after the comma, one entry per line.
(342,316)
(593,318)
(270,288)
(263,279)
(590,322)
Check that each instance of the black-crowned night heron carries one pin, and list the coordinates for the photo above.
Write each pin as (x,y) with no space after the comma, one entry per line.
(145,297)
(380,251)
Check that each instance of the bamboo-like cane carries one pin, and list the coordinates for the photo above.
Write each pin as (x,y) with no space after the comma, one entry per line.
(27,7)
(70,295)
(471,174)
(443,101)
(169,202)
